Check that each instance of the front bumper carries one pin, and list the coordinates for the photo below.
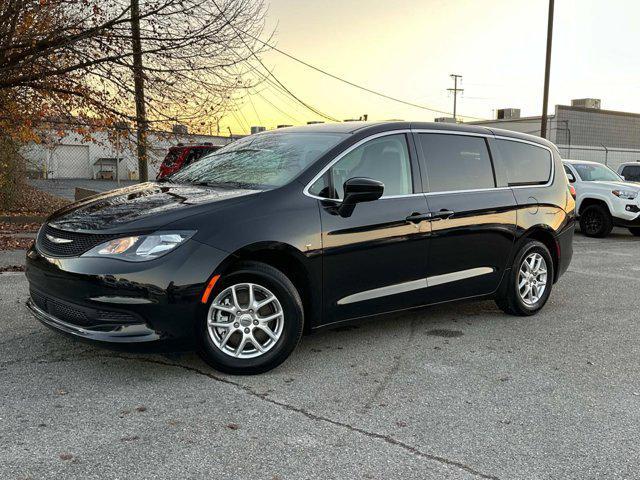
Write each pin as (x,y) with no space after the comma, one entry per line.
(627,222)
(113,301)
(114,333)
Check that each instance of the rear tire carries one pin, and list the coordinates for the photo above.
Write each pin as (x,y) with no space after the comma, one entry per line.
(596,221)
(635,231)
(232,318)
(529,282)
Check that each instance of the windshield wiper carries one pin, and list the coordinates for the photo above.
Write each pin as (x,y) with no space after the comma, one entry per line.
(242,150)
(222,184)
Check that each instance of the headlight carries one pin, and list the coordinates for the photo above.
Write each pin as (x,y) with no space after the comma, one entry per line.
(140,248)
(625,194)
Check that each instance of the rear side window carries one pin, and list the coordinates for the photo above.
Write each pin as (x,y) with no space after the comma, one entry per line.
(525,164)
(457,162)
(632,173)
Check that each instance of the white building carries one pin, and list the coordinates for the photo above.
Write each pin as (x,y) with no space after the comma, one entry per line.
(72,155)
(581,131)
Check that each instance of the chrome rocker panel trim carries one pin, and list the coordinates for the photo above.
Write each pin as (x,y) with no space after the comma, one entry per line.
(415,285)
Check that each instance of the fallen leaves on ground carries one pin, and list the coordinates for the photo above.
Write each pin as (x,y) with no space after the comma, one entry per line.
(14,243)
(10,227)
(34,202)
(12,268)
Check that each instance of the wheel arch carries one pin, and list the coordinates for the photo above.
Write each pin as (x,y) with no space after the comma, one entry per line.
(290,261)
(589,201)
(545,235)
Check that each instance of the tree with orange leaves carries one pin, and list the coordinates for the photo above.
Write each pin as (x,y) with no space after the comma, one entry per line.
(62,59)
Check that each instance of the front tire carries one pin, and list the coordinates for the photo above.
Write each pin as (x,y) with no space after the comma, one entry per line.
(596,221)
(635,231)
(529,282)
(253,322)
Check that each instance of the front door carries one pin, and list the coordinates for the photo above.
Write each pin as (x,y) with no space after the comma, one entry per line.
(473,216)
(374,258)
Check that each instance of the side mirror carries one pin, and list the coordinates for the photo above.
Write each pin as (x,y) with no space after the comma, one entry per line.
(358,190)
(622,177)
(571,178)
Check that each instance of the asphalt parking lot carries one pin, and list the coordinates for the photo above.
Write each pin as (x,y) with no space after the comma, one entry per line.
(454,391)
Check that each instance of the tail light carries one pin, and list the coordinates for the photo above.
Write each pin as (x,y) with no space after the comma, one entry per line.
(572,191)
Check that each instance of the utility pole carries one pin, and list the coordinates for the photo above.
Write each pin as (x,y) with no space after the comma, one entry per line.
(142,125)
(455,91)
(547,70)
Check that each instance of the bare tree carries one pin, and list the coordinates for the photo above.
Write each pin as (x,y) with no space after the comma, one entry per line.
(64,57)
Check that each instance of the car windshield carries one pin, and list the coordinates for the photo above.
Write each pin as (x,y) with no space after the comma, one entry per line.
(262,161)
(171,157)
(596,173)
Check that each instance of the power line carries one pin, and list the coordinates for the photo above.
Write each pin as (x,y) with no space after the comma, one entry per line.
(335,77)
(277,108)
(255,111)
(289,92)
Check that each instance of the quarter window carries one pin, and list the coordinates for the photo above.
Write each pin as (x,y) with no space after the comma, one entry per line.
(525,164)
(457,162)
(385,159)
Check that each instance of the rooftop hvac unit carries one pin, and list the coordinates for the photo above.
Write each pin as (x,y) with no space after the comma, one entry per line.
(508,113)
(586,103)
(445,120)
(284,126)
(257,129)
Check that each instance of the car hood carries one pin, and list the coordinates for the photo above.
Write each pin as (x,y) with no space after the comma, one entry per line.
(634,187)
(142,207)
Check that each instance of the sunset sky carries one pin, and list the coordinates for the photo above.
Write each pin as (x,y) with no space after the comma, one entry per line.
(408,48)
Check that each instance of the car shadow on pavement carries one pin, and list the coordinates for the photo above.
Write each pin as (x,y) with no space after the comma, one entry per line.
(339,345)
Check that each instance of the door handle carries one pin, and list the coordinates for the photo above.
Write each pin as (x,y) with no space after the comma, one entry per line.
(443,214)
(419,217)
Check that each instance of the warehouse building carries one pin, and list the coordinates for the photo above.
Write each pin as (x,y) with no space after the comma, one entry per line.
(104,154)
(582,131)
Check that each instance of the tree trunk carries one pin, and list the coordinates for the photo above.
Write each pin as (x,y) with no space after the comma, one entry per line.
(142,124)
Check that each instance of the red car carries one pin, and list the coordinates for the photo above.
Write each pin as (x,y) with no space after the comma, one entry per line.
(183,155)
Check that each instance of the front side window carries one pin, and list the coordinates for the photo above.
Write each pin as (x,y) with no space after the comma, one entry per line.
(592,172)
(262,161)
(385,159)
(525,164)
(570,175)
(457,162)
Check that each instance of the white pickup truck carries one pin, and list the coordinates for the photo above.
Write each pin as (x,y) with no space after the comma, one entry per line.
(603,198)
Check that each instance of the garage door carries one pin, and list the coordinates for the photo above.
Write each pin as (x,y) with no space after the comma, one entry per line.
(70,161)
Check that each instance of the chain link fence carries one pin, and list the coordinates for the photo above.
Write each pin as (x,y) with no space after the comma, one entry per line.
(612,157)
(100,159)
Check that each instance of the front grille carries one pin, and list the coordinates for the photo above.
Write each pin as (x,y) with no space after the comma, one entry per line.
(80,242)
(59,310)
(81,316)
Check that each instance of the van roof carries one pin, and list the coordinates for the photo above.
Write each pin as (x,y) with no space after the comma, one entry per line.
(376,127)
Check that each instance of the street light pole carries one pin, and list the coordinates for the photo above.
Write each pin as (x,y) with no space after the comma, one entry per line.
(547,69)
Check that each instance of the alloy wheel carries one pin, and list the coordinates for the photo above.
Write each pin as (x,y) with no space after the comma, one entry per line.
(532,279)
(593,222)
(245,320)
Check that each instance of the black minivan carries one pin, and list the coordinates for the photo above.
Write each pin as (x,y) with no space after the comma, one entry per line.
(305,227)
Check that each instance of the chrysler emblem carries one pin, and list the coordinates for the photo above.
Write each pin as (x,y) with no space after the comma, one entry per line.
(58,240)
